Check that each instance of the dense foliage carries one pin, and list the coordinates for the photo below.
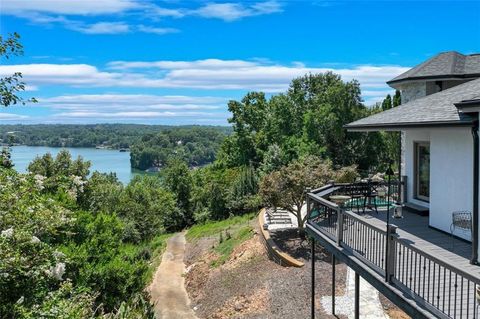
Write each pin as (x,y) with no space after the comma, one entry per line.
(91,135)
(306,120)
(77,247)
(195,145)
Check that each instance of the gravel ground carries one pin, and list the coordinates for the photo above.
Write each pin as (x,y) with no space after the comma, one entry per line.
(289,241)
(249,285)
(391,310)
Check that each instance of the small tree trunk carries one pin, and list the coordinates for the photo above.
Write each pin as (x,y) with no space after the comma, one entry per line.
(300,221)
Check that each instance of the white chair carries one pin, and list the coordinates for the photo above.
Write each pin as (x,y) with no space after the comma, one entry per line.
(461,220)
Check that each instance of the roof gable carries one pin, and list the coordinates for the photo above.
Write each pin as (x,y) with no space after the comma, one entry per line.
(433,110)
(444,65)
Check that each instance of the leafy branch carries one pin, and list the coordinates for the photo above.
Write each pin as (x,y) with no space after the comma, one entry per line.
(11,86)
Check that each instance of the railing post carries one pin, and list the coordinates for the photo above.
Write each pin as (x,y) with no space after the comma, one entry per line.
(357,296)
(339,226)
(307,191)
(403,185)
(390,253)
(333,284)
(312,300)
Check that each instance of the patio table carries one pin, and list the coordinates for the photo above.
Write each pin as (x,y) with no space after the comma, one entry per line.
(340,200)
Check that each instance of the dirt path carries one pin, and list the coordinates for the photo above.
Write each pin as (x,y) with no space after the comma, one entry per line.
(167,289)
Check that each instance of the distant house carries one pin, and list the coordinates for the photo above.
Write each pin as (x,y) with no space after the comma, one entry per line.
(427,263)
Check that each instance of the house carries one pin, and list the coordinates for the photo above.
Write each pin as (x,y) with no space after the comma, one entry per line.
(439,125)
(438,121)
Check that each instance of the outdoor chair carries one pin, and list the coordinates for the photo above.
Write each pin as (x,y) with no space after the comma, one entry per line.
(369,197)
(460,220)
(357,194)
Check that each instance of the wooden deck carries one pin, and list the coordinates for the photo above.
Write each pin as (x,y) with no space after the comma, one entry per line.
(415,230)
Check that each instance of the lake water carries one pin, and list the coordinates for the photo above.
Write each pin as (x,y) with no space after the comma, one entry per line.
(102,160)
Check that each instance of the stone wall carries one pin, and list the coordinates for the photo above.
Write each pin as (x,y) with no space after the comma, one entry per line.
(412,91)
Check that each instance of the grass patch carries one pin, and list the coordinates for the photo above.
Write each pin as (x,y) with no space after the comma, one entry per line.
(214,228)
(157,247)
(229,242)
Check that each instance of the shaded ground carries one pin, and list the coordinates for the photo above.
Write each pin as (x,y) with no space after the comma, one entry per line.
(167,289)
(249,285)
(289,241)
(391,310)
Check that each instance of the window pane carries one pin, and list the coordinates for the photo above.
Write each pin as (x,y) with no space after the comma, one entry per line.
(423,170)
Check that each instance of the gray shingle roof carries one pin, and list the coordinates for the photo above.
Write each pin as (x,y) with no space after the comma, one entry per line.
(445,64)
(434,109)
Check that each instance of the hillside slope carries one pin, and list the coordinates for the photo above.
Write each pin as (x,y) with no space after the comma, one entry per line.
(249,285)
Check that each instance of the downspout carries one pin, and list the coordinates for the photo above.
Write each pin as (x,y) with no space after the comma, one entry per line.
(476,163)
(400,187)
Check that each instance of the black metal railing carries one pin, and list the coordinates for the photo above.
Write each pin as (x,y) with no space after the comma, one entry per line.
(365,241)
(445,289)
(442,288)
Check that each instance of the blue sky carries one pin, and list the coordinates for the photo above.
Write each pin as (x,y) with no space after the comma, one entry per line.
(179,62)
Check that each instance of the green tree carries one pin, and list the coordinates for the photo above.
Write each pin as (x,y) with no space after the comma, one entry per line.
(102,193)
(286,188)
(397,99)
(307,120)
(148,207)
(243,196)
(248,121)
(61,166)
(178,180)
(387,103)
(12,85)
(6,158)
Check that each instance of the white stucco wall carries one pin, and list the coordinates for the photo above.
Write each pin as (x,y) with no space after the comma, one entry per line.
(412,136)
(451,172)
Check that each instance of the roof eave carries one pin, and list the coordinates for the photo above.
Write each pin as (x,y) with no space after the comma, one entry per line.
(468,105)
(435,77)
(407,125)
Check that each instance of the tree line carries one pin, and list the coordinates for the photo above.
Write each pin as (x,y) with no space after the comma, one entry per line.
(196,146)
(114,136)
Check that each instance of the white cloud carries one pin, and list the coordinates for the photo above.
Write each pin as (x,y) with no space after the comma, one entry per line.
(133,98)
(138,117)
(102,28)
(231,11)
(206,64)
(70,7)
(156,30)
(137,114)
(156,12)
(60,12)
(201,74)
(132,102)
(12,117)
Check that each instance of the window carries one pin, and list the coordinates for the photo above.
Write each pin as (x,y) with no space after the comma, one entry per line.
(422,171)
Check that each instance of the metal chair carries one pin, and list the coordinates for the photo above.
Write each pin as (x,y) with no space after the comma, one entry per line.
(357,193)
(460,220)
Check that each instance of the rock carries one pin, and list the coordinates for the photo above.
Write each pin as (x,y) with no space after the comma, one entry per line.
(238,306)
